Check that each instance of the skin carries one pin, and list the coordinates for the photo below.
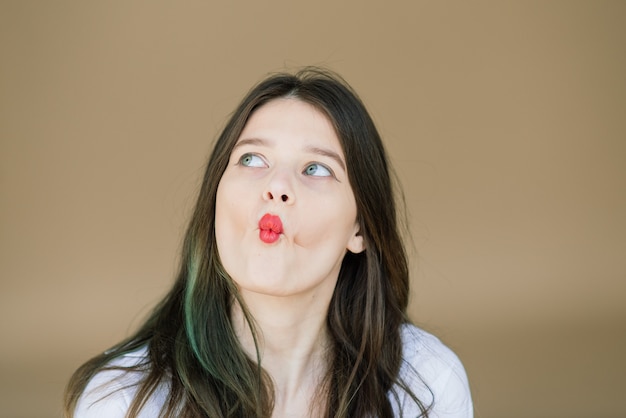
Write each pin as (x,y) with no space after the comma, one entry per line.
(287,162)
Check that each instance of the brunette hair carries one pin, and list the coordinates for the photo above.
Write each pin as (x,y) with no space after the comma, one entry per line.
(192,347)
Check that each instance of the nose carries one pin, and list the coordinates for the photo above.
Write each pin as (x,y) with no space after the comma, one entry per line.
(279,189)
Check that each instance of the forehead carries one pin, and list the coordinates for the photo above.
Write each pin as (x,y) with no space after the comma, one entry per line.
(291,119)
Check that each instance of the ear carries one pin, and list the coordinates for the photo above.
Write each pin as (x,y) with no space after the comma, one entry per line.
(356,244)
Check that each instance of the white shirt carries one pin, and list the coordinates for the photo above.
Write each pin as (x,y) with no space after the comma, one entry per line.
(441,380)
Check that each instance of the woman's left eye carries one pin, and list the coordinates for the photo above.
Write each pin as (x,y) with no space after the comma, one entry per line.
(318,170)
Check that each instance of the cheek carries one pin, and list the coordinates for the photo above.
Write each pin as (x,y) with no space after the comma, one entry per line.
(227,215)
(227,199)
(221,203)
(333,222)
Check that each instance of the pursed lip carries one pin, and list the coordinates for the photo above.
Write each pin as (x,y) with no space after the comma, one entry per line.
(270,228)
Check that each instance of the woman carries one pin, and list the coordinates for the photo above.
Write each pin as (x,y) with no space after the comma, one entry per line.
(293,287)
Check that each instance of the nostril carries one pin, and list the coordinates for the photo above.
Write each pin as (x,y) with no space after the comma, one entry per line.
(283,197)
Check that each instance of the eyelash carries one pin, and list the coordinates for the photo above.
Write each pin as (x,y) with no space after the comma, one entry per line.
(325,167)
(247,155)
(253,155)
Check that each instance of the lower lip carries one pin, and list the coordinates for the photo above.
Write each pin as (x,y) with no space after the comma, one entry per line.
(268,236)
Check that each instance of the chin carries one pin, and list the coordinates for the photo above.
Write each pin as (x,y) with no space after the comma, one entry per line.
(263,285)
(265,290)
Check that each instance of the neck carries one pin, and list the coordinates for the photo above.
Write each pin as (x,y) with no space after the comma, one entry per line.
(292,338)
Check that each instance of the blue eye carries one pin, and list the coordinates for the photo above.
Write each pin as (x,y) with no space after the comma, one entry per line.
(251,160)
(318,170)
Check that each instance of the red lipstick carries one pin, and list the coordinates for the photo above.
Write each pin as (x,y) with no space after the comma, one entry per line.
(270,228)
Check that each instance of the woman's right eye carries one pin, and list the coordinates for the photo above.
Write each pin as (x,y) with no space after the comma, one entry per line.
(251,160)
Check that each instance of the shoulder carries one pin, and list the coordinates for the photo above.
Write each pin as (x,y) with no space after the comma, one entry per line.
(111,391)
(434,374)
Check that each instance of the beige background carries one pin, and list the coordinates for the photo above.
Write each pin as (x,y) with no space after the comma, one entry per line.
(505,122)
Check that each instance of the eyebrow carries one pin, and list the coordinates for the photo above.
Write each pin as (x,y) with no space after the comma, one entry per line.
(327,153)
(311,149)
(250,141)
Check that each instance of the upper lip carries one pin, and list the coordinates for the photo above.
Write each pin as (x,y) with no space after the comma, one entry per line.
(271,222)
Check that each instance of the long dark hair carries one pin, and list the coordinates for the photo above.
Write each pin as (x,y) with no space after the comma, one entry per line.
(191,343)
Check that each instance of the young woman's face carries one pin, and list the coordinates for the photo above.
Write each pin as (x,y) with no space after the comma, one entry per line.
(285,211)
